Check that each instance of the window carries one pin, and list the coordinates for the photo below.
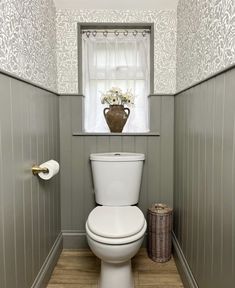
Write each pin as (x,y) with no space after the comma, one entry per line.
(116,58)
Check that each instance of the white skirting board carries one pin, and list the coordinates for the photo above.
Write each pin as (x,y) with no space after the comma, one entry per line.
(47,268)
(182,265)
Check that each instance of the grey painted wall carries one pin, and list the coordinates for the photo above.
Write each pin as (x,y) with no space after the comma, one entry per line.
(29,208)
(204,194)
(77,197)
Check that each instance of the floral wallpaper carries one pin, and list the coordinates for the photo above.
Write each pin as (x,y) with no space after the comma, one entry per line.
(164,44)
(33,37)
(28,40)
(205,39)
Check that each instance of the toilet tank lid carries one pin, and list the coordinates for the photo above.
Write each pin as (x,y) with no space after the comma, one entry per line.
(117,157)
(115,222)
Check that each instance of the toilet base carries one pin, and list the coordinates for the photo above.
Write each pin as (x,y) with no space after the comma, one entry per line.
(116,275)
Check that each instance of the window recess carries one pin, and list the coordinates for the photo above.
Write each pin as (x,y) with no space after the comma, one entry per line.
(116,58)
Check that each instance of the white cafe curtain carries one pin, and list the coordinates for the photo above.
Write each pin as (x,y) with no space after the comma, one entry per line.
(116,61)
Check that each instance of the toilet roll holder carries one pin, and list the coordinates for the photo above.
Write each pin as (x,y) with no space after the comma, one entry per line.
(37,169)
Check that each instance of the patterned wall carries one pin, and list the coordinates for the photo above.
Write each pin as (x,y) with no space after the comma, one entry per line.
(28,40)
(205,44)
(164,44)
(205,39)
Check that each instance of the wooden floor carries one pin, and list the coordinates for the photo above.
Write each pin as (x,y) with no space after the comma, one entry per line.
(80,269)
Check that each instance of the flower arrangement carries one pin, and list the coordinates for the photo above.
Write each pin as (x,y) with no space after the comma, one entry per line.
(115,96)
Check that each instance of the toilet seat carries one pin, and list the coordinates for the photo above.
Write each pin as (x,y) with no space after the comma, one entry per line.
(116,225)
(116,241)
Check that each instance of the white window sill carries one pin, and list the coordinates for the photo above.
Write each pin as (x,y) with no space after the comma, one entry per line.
(116,134)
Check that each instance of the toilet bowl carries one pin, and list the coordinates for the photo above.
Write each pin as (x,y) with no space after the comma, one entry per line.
(115,235)
(115,230)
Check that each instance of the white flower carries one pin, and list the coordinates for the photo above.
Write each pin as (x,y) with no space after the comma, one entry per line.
(115,96)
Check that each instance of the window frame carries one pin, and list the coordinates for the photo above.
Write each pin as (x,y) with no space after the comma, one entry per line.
(102,26)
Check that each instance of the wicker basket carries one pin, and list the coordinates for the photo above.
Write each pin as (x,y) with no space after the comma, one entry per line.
(159,218)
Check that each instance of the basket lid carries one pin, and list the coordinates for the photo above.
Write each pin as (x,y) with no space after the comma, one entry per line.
(160,208)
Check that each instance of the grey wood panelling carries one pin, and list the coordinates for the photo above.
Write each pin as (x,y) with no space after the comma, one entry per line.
(29,208)
(77,197)
(204,195)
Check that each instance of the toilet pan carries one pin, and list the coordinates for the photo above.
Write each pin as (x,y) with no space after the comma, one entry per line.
(110,251)
(115,235)
(116,268)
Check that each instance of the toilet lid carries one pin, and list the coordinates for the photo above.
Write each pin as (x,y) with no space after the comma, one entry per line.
(115,222)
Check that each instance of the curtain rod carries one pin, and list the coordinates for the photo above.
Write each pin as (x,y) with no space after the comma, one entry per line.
(116,32)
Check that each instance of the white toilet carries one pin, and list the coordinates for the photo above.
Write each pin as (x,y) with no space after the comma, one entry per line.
(115,230)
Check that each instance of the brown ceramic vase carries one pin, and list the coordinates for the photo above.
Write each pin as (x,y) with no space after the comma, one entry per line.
(116,117)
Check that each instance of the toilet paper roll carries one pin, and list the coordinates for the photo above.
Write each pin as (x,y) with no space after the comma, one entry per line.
(53,168)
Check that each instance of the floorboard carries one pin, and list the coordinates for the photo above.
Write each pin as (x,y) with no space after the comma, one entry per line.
(80,269)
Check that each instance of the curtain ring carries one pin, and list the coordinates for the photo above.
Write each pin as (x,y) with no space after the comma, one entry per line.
(94,33)
(135,33)
(105,33)
(125,33)
(144,33)
(88,34)
(116,32)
